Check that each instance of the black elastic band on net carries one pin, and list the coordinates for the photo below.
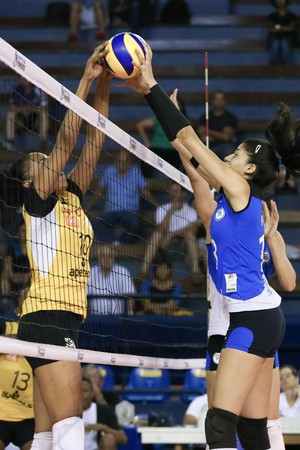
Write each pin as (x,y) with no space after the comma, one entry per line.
(169,116)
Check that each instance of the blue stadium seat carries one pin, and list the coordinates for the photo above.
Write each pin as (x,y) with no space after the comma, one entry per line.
(195,379)
(108,378)
(147,380)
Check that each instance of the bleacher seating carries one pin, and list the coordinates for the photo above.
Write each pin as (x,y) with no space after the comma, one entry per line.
(108,378)
(194,380)
(148,380)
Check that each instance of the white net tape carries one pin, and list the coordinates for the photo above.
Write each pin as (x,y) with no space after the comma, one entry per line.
(27,69)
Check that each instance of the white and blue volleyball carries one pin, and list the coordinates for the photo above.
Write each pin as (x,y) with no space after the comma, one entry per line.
(121,52)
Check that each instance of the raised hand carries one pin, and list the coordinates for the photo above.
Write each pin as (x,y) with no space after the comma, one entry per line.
(95,64)
(271,219)
(137,84)
(145,66)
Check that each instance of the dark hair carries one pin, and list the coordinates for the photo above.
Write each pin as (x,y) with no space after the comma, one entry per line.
(292,368)
(162,259)
(280,147)
(87,380)
(11,183)
(273,3)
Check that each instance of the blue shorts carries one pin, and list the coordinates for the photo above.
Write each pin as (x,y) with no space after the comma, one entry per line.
(256,332)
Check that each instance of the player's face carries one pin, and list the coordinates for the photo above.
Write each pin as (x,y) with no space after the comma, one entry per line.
(239,161)
(163,271)
(87,394)
(287,379)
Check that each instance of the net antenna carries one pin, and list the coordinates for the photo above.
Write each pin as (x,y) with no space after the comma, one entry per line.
(206,100)
(23,66)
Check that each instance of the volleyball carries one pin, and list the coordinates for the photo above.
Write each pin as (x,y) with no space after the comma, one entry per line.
(121,52)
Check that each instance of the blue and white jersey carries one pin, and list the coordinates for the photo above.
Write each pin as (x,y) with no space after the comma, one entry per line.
(238,250)
(218,321)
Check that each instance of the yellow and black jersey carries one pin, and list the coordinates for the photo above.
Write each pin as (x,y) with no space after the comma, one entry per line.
(59,236)
(16,383)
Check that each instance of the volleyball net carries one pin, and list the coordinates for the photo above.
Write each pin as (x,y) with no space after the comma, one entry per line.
(146,294)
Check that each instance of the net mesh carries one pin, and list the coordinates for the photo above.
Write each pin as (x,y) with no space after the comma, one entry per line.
(146,285)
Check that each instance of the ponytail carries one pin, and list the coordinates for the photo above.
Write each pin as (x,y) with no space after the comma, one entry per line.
(284,140)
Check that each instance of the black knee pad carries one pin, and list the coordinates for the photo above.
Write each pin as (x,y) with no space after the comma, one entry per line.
(220,428)
(253,433)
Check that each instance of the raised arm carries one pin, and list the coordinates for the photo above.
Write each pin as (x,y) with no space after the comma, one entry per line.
(51,168)
(284,269)
(82,173)
(176,126)
(204,201)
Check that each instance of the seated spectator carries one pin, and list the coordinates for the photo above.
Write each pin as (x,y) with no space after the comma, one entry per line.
(16,271)
(92,372)
(29,107)
(102,431)
(289,401)
(175,12)
(222,127)
(174,220)
(282,33)
(195,417)
(165,287)
(153,137)
(122,184)
(132,13)
(110,278)
(87,15)
(119,13)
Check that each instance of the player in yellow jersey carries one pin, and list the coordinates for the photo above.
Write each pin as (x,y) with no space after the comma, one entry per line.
(59,236)
(16,396)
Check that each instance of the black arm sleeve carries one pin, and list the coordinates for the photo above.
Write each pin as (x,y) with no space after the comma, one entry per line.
(169,116)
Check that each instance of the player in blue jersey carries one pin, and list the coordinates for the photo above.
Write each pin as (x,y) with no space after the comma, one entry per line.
(219,316)
(257,325)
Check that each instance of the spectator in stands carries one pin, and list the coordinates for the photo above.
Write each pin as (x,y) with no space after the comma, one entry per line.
(29,107)
(118,13)
(289,402)
(110,278)
(196,411)
(123,184)
(92,372)
(282,33)
(102,430)
(222,127)
(154,138)
(175,219)
(95,374)
(132,13)
(87,15)
(195,417)
(16,271)
(175,12)
(161,285)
